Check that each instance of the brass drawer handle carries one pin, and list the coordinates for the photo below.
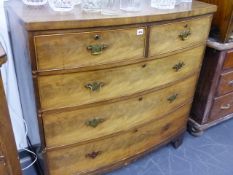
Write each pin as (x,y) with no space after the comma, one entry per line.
(185,33)
(225,107)
(172,98)
(97,49)
(94,122)
(93,155)
(94,86)
(178,66)
(230,83)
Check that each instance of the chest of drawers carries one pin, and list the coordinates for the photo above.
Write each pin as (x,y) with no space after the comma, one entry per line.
(213,100)
(107,89)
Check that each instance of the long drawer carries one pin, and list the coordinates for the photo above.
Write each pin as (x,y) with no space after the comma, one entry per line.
(225,84)
(68,127)
(88,157)
(174,36)
(71,50)
(58,91)
(222,106)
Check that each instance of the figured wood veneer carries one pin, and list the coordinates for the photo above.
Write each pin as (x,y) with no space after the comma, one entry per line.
(101,109)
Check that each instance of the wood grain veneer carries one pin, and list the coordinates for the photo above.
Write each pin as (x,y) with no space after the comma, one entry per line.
(75,161)
(131,112)
(163,37)
(69,90)
(54,51)
(9,161)
(133,84)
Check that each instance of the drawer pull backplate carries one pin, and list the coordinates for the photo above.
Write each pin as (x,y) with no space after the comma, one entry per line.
(172,98)
(225,107)
(94,122)
(93,155)
(185,33)
(94,86)
(178,66)
(97,49)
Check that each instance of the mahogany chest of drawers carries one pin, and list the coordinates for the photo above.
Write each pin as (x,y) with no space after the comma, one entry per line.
(213,102)
(9,161)
(108,89)
(222,26)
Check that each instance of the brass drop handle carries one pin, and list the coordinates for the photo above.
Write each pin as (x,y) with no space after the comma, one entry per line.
(93,154)
(97,49)
(94,86)
(172,98)
(178,66)
(230,83)
(185,33)
(94,122)
(225,107)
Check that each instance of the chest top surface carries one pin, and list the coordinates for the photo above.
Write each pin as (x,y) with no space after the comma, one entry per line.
(45,18)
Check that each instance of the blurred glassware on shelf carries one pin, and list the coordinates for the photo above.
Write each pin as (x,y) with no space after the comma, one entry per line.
(35,2)
(110,7)
(77,2)
(163,4)
(61,5)
(131,5)
(91,6)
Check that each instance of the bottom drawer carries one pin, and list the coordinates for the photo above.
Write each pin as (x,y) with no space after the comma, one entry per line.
(222,106)
(91,156)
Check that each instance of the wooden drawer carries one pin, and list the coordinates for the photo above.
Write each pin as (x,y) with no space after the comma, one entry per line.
(178,35)
(228,63)
(225,84)
(222,106)
(65,128)
(88,157)
(58,91)
(71,50)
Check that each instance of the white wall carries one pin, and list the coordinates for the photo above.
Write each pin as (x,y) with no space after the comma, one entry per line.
(10,83)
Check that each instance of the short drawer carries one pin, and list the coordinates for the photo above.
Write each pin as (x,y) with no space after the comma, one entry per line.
(65,90)
(82,159)
(222,106)
(178,35)
(225,84)
(65,128)
(73,50)
(228,63)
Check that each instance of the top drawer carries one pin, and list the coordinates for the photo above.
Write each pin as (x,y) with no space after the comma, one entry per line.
(228,63)
(72,50)
(178,35)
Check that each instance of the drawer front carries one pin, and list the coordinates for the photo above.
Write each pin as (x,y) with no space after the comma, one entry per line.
(226,83)
(88,157)
(65,128)
(64,51)
(88,87)
(222,106)
(228,63)
(178,35)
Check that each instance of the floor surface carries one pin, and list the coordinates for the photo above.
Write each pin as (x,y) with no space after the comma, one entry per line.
(211,154)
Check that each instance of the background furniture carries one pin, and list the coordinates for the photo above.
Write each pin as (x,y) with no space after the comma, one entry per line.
(222,26)
(213,102)
(107,89)
(9,161)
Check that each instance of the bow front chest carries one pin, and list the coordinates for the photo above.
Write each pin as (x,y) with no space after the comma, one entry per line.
(106,89)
